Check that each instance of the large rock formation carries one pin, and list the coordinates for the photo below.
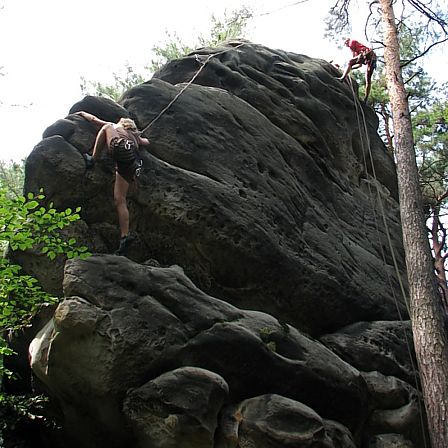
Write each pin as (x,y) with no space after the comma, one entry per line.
(266,189)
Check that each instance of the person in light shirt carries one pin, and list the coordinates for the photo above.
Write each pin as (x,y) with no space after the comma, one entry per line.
(122,140)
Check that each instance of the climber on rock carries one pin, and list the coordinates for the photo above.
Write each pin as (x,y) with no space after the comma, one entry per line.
(362,55)
(122,140)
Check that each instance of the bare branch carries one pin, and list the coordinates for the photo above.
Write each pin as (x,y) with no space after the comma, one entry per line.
(405,63)
(442,197)
(339,14)
(370,16)
(429,13)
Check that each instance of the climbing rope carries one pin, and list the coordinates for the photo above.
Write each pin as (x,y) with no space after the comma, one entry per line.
(188,84)
(363,131)
(281,8)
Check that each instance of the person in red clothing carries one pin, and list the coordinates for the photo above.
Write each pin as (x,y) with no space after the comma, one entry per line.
(362,55)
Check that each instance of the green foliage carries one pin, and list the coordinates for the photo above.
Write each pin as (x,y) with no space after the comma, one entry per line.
(172,48)
(231,26)
(26,224)
(428,107)
(431,142)
(122,82)
(418,84)
(12,176)
(17,409)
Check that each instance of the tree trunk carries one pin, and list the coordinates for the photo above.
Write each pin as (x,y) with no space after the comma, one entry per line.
(386,118)
(430,339)
(438,238)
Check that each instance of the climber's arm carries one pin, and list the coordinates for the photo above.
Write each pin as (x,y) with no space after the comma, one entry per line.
(92,118)
(143,141)
(100,141)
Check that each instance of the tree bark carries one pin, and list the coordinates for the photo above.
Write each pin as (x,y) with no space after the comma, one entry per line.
(438,238)
(386,118)
(430,338)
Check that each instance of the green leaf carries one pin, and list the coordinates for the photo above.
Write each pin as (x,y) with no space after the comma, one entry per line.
(31,205)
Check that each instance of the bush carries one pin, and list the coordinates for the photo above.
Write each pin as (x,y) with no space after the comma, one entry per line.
(26,224)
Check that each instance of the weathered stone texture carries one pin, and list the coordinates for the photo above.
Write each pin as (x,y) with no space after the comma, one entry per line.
(259,305)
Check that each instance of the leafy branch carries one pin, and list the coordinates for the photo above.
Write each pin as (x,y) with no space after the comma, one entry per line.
(26,224)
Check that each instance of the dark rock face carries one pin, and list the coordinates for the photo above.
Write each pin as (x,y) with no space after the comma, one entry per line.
(398,409)
(263,183)
(256,175)
(275,421)
(191,397)
(127,335)
(144,321)
(382,346)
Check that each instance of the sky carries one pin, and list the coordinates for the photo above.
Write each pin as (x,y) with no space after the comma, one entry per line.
(48,46)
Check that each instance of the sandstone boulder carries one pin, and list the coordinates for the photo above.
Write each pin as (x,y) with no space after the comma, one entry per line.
(178,408)
(259,171)
(273,421)
(267,207)
(123,323)
(383,346)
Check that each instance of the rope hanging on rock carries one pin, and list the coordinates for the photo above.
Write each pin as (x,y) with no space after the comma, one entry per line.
(203,64)
(363,130)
